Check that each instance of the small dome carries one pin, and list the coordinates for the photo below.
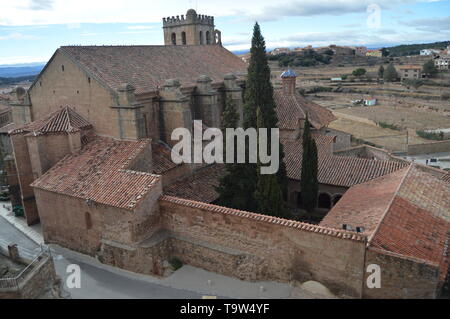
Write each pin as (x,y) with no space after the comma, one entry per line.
(289,74)
(191,12)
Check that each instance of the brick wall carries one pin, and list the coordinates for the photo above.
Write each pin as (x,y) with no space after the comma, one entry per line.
(401,277)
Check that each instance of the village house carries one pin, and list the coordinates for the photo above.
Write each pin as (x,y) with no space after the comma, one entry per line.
(442,62)
(92,149)
(374,53)
(410,72)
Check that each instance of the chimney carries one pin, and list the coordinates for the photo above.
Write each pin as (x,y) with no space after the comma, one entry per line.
(289,79)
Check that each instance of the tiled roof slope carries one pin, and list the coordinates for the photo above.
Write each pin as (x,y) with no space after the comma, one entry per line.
(62,120)
(162,161)
(148,67)
(337,170)
(407,213)
(291,108)
(446,177)
(199,187)
(99,173)
(265,218)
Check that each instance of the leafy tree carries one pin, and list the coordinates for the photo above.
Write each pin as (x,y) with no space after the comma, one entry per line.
(381,72)
(359,72)
(384,52)
(390,74)
(309,182)
(429,68)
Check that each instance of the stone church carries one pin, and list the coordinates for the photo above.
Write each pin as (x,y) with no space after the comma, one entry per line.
(92,151)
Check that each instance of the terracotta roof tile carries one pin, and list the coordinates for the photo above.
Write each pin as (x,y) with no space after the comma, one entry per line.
(148,67)
(337,170)
(162,161)
(406,212)
(99,172)
(291,108)
(63,120)
(199,187)
(446,177)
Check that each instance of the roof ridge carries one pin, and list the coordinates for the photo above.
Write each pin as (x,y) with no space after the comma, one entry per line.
(266,218)
(369,241)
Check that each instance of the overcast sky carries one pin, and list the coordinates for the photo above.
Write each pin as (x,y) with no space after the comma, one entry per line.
(31,30)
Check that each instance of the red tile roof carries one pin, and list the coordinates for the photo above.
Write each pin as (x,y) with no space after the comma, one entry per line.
(264,218)
(446,177)
(292,108)
(337,170)
(99,172)
(162,160)
(199,187)
(63,120)
(407,213)
(148,67)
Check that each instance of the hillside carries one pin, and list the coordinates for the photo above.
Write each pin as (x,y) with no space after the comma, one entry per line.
(414,49)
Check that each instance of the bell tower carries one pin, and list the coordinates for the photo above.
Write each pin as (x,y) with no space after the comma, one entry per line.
(192,29)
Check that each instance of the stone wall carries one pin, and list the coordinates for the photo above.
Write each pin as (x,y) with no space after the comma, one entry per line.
(243,245)
(402,278)
(429,148)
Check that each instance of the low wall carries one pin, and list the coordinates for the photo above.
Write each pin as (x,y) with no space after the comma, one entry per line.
(402,278)
(257,247)
(429,148)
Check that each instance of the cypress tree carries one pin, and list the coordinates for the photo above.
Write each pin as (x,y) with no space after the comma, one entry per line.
(390,74)
(259,93)
(309,182)
(269,195)
(233,189)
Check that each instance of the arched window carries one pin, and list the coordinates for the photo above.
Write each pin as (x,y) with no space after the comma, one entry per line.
(201,37)
(324,201)
(88,220)
(183,38)
(208,39)
(336,199)
(174,39)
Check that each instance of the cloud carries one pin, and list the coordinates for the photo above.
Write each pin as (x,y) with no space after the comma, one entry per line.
(430,25)
(17,36)
(144,11)
(41,4)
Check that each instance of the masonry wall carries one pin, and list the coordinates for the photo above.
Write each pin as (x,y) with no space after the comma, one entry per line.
(72,87)
(402,278)
(429,148)
(256,250)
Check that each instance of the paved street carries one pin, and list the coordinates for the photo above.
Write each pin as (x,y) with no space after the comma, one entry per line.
(96,282)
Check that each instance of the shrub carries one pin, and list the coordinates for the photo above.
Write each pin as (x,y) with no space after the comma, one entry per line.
(389,126)
(175,263)
(18,211)
(431,135)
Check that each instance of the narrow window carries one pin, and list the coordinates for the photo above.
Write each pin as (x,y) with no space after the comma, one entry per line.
(201,37)
(183,38)
(174,39)
(88,220)
(89,80)
(62,68)
(208,39)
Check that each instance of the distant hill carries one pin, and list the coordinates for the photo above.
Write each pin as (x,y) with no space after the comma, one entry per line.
(414,49)
(20,71)
(15,80)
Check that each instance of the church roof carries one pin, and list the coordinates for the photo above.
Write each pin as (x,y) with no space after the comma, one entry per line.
(406,212)
(289,74)
(100,172)
(63,120)
(336,170)
(291,108)
(148,67)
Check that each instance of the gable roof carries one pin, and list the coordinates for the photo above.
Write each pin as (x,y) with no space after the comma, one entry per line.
(291,108)
(407,213)
(62,120)
(99,172)
(147,67)
(336,170)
